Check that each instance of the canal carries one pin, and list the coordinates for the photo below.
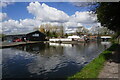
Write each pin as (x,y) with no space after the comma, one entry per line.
(48,60)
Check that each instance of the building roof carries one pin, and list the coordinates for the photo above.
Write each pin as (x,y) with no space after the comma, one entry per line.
(37,31)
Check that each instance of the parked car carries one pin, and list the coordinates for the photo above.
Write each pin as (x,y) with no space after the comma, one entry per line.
(17,40)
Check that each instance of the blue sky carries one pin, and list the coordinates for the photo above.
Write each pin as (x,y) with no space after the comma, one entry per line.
(18,10)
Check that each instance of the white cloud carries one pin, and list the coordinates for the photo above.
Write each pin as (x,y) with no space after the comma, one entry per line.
(14,26)
(3,16)
(84,17)
(10,26)
(30,22)
(84,4)
(45,13)
(52,23)
(72,24)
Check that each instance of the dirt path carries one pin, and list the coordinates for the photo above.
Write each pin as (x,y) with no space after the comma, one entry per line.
(112,66)
(110,70)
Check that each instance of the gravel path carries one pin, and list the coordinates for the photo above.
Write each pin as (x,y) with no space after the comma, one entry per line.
(112,66)
(110,70)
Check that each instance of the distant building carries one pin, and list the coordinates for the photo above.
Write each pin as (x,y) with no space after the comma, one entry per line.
(75,37)
(92,37)
(31,36)
(36,36)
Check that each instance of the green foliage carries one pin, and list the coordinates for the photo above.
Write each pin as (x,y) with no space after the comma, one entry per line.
(92,69)
(108,14)
(48,33)
(115,35)
(51,34)
(66,35)
(115,38)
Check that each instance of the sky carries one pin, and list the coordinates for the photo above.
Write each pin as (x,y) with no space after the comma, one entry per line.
(19,8)
(25,16)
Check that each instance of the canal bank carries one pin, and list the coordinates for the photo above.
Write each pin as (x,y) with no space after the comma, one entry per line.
(96,68)
(12,44)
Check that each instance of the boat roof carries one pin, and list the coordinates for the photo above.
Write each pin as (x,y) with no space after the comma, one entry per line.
(74,36)
(106,37)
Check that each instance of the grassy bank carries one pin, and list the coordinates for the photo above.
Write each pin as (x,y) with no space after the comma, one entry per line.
(92,69)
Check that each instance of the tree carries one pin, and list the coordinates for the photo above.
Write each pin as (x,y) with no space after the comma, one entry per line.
(105,31)
(66,35)
(42,29)
(61,30)
(109,15)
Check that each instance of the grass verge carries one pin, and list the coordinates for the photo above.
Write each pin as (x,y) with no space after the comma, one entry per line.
(92,69)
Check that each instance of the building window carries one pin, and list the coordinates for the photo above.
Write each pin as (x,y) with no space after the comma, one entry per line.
(35,35)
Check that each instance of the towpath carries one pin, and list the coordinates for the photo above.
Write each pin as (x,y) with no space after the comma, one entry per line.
(112,66)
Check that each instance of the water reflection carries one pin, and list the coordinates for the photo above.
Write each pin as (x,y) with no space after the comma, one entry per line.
(48,60)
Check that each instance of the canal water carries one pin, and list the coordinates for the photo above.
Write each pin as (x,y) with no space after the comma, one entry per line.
(48,60)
